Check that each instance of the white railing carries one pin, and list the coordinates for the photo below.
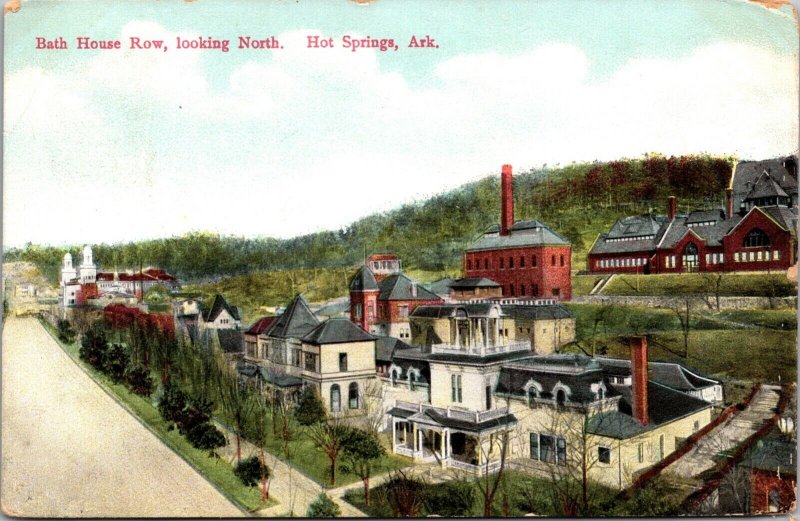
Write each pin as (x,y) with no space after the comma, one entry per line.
(453,412)
(481,350)
(404,451)
(490,468)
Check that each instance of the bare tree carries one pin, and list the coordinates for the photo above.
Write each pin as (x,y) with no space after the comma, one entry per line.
(682,308)
(712,284)
(374,402)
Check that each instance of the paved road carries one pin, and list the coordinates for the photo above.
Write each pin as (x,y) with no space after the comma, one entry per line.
(69,450)
(729,433)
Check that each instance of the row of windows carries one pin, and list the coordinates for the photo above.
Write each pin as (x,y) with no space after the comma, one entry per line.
(634,238)
(336,397)
(560,260)
(715,258)
(553,449)
(756,256)
(703,223)
(511,290)
(621,263)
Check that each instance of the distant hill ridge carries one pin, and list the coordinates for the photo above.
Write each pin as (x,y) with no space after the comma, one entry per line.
(577,200)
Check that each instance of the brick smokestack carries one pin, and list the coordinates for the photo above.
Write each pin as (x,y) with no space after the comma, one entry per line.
(728,203)
(506,200)
(638,347)
(672,207)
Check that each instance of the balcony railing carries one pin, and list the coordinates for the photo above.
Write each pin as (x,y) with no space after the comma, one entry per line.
(481,350)
(454,412)
(490,468)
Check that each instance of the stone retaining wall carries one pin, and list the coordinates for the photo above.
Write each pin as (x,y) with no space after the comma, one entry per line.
(697,303)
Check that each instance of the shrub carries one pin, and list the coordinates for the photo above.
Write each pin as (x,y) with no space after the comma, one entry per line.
(65,332)
(139,380)
(206,436)
(196,412)
(116,360)
(93,348)
(310,409)
(450,499)
(323,506)
(251,471)
(172,403)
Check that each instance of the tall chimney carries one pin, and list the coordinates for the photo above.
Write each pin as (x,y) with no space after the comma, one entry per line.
(506,200)
(672,207)
(638,347)
(728,203)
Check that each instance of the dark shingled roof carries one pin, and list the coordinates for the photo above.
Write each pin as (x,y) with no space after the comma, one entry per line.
(637,226)
(440,287)
(210,314)
(399,287)
(765,186)
(748,172)
(472,309)
(774,453)
(363,280)
(663,406)
(230,340)
(786,217)
(260,325)
(578,372)
(670,374)
(386,346)
(699,216)
(474,282)
(337,331)
(295,322)
(522,233)
(268,375)
(464,425)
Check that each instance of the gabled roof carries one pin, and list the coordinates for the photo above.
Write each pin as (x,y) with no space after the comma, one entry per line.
(230,340)
(700,216)
(522,233)
(747,173)
(399,287)
(260,325)
(337,331)
(386,346)
(295,322)
(219,304)
(363,280)
(765,186)
(786,217)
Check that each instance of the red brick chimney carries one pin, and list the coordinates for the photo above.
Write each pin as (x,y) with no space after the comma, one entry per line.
(639,378)
(728,203)
(672,207)
(506,200)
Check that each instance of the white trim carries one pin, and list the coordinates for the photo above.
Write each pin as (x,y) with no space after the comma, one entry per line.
(561,387)
(596,388)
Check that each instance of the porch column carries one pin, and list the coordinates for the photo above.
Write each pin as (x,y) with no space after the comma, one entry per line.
(414,434)
(480,451)
(394,431)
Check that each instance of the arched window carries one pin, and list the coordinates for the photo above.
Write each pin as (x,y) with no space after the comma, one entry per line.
(561,398)
(336,398)
(756,238)
(690,257)
(352,396)
(532,395)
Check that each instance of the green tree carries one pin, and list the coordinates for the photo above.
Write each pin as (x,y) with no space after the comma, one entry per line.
(93,347)
(310,409)
(323,506)
(361,452)
(172,403)
(330,437)
(237,405)
(115,362)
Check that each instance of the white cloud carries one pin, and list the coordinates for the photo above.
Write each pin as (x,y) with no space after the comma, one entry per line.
(311,139)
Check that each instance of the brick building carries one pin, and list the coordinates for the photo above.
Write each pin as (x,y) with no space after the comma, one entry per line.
(761,236)
(526,258)
(382,307)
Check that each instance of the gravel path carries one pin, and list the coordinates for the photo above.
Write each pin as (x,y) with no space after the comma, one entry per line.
(69,450)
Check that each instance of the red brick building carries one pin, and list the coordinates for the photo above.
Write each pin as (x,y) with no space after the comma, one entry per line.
(526,258)
(383,307)
(761,238)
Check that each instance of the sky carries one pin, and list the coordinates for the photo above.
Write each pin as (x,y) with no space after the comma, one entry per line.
(119,145)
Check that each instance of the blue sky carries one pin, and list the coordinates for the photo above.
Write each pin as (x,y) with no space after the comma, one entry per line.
(110,146)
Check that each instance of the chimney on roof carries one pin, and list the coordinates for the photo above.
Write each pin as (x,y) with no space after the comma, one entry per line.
(672,207)
(413,289)
(506,200)
(638,347)
(728,203)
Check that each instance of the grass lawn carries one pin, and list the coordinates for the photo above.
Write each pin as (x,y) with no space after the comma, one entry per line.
(583,284)
(755,355)
(519,494)
(314,464)
(214,469)
(733,284)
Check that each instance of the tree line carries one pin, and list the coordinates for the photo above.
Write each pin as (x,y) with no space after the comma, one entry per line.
(429,235)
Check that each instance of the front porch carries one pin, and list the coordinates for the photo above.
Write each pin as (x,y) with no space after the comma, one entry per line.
(431,437)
